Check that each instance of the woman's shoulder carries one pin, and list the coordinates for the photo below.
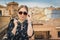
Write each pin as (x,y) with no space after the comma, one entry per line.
(11,22)
(13,19)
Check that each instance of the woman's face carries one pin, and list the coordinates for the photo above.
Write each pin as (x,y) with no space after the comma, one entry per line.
(22,14)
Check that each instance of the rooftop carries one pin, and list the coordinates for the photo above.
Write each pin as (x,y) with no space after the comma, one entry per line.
(12,3)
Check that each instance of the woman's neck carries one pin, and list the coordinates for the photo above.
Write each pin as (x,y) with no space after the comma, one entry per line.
(21,21)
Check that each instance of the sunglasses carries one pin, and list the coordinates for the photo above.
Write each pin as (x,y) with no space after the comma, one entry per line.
(25,13)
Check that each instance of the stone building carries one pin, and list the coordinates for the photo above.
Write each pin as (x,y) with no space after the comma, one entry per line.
(3,11)
(49,25)
(6,12)
(12,7)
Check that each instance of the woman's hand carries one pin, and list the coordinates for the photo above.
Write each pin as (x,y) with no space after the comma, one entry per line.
(30,28)
(29,18)
(14,29)
(15,22)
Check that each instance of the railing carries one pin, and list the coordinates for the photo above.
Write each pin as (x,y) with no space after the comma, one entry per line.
(3,31)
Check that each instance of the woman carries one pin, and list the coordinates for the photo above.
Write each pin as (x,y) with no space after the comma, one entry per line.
(21,28)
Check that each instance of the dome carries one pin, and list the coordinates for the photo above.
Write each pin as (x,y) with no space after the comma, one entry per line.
(12,3)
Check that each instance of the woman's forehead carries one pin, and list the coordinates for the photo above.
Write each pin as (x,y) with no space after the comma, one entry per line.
(23,9)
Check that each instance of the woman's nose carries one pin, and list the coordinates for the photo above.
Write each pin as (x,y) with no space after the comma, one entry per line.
(22,14)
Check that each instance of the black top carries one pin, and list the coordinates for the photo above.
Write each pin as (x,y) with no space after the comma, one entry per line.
(21,34)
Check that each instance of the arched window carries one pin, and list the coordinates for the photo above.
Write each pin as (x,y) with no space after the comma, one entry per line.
(0,12)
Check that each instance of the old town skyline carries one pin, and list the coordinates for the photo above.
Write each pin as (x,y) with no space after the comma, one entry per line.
(33,3)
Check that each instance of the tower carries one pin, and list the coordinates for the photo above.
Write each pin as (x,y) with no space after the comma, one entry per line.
(12,7)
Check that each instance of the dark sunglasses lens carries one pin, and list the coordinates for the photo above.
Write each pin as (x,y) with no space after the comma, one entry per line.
(20,13)
(25,13)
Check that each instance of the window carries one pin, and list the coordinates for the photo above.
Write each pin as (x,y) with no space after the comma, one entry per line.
(0,12)
(58,33)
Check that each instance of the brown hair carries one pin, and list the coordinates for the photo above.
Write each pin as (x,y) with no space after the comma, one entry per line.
(15,13)
(24,7)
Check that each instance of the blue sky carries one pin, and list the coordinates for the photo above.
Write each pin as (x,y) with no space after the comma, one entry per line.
(33,3)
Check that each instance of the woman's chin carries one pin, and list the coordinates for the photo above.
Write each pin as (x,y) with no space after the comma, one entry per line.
(22,19)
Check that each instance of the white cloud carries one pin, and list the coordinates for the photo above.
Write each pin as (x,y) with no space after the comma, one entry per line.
(33,4)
